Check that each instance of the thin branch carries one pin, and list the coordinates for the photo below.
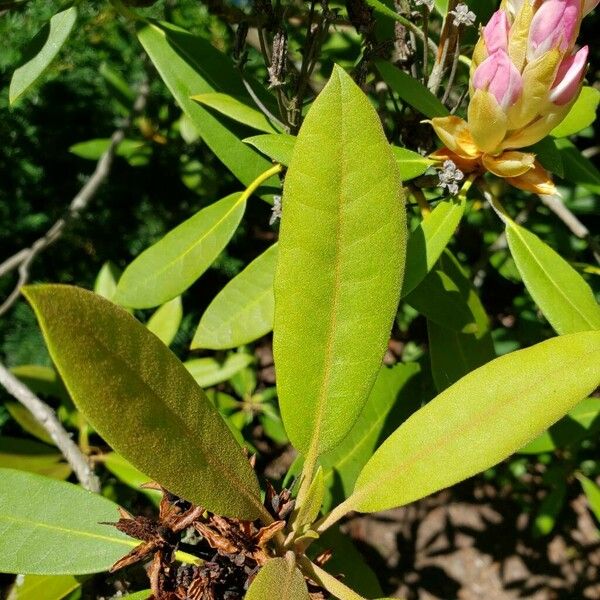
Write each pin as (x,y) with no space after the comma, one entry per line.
(46,417)
(25,257)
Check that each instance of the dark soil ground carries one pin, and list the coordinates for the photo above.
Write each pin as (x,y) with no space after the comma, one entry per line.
(468,543)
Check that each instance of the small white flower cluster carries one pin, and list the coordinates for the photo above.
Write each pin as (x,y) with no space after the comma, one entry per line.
(449,176)
(275,210)
(427,3)
(463,16)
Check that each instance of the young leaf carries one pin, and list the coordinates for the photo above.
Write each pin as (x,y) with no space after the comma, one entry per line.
(243,310)
(137,394)
(581,114)
(561,293)
(592,493)
(309,511)
(57,529)
(279,578)
(236,109)
(190,65)
(48,587)
(410,163)
(479,421)
(27,455)
(170,266)
(41,51)
(411,90)
(277,146)
(208,371)
(165,322)
(106,280)
(94,149)
(341,252)
(428,240)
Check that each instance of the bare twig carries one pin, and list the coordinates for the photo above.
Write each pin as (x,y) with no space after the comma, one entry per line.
(23,259)
(45,416)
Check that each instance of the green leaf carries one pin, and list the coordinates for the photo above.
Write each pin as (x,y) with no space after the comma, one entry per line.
(428,240)
(41,380)
(190,65)
(169,267)
(577,167)
(27,455)
(137,394)
(58,530)
(582,421)
(548,154)
(165,322)
(47,587)
(278,578)
(344,463)
(41,51)
(94,149)
(236,109)
(545,519)
(479,421)
(277,146)
(209,371)
(563,296)
(28,422)
(106,280)
(341,252)
(410,163)
(411,90)
(592,493)
(243,310)
(143,595)
(129,475)
(581,115)
(311,506)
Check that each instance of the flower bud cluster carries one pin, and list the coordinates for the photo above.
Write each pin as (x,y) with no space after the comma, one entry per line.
(526,74)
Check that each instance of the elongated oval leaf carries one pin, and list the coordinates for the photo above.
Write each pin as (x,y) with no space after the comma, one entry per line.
(190,65)
(243,310)
(165,322)
(428,240)
(41,51)
(236,109)
(341,253)
(27,455)
(142,401)
(170,266)
(48,527)
(280,579)
(592,493)
(130,476)
(561,293)
(209,371)
(582,113)
(480,420)
(410,163)
(48,587)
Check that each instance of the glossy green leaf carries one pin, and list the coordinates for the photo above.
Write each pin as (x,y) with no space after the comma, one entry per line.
(44,587)
(563,296)
(165,321)
(279,578)
(190,65)
(209,371)
(411,90)
(41,51)
(341,252)
(428,240)
(35,535)
(236,109)
(581,115)
(137,394)
(389,403)
(170,266)
(129,475)
(31,456)
(582,421)
(410,164)
(243,310)
(28,422)
(277,146)
(545,519)
(479,421)
(592,493)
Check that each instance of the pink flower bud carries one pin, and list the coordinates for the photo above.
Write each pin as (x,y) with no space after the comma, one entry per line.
(497,75)
(568,78)
(495,33)
(589,6)
(554,25)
